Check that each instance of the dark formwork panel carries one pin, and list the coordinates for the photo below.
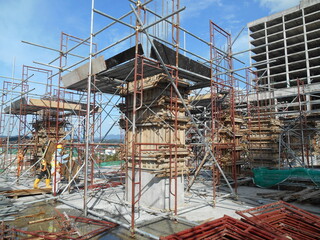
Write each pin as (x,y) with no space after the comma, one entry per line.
(168,55)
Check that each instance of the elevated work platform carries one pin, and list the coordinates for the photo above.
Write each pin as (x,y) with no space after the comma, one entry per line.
(33,106)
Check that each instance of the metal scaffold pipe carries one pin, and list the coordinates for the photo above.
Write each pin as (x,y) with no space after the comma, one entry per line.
(87,130)
(52,49)
(183,102)
(96,33)
(124,225)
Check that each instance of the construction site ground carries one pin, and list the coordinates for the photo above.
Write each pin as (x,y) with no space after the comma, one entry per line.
(110,202)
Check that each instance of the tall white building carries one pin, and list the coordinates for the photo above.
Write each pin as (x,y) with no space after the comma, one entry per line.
(286,48)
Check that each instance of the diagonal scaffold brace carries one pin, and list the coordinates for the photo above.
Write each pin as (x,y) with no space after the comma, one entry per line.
(144,30)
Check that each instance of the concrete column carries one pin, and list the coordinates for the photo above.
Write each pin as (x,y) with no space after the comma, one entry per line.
(250,57)
(155,191)
(160,151)
(267,55)
(308,102)
(275,104)
(306,47)
(286,51)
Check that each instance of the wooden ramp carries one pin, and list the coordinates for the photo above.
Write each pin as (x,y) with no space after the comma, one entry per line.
(25,192)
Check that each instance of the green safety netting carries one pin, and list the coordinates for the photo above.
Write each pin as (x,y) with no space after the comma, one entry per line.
(10,151)
(111,163)
(265,177)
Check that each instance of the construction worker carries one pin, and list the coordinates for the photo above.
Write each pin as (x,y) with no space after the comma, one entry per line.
(20,159)
(56,163)
(45,171)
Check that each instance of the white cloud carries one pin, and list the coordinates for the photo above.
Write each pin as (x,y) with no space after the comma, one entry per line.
(241,43)
(278,5)
(231,19)
(194,8)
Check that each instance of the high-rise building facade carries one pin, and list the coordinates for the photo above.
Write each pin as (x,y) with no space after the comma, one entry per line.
(286,54)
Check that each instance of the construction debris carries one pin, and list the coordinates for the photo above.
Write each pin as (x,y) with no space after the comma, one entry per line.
(7,209)
(306,195)
(68,229)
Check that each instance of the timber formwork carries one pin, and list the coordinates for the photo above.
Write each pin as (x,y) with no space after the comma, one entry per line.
(224,131)
(52,114)
(263,141)
(155,134)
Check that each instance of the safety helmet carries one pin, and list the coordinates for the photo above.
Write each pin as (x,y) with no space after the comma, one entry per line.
(59,146)
(43,162)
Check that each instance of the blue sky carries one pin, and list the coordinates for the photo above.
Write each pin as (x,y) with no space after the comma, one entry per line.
(41,22)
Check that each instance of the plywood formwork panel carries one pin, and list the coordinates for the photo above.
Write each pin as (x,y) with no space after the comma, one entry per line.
(161,123)
(263,141)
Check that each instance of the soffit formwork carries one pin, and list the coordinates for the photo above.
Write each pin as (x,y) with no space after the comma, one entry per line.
(23,106)
(112,72)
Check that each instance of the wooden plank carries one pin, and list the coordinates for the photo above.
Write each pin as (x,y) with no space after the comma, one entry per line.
(314,194)
(42,220)
(54,104)
(275,195)
(25,192)
(294,196)
(50,149)
(32,215)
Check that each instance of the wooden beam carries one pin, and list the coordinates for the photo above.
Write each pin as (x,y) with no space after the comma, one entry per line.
(25,192)
(54,104)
